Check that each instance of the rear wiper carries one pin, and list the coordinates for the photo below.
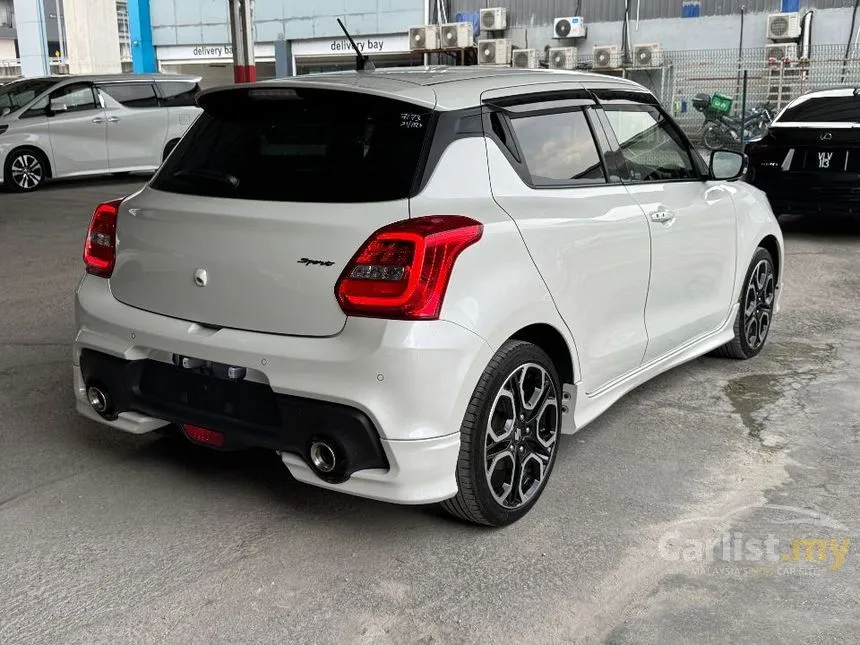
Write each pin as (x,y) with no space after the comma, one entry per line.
(213,176)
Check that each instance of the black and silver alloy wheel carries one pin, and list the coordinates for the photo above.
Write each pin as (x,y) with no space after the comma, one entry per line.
(758,304)
(25,171)
(509,438)
(521,436)
(755,315)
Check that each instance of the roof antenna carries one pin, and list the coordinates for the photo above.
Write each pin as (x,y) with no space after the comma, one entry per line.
(362,62)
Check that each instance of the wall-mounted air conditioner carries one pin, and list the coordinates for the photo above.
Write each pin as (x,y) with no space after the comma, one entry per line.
(780,53)
(561,58)
(524,58)
(783,26)
(606,57)
(494,19)
(424,37)
(650,55)
(573,27)
(457,35)
(494,52)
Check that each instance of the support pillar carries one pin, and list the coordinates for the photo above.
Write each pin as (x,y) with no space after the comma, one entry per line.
(140,31)
(92,36)
(32,38)
(242,32)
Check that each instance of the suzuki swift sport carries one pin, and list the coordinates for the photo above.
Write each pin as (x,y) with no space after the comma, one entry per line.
(410,283)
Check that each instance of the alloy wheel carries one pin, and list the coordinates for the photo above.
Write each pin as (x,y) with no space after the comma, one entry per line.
(26,171)
(758,304)
(521,436)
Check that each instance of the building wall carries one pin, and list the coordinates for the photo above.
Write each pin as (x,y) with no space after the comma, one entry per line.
(526,13)
(205,22)
(7,49)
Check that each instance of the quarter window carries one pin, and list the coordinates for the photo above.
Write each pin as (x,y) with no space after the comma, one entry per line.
(132,95)
(559,149)
(649,148)
(178,93)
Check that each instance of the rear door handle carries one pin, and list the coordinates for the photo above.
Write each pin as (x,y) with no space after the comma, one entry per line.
(113,119)
(663,217)
(98,119)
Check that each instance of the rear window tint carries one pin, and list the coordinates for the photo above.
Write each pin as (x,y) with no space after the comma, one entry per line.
(133,95)
(299,145)
(178,93)
(835,109)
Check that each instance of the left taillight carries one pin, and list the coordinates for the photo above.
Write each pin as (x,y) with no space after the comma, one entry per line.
(402,271)
(100,246)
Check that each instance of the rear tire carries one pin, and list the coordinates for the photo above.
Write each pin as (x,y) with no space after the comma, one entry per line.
(755,314)
(713,138)
(25,170)
(509,437)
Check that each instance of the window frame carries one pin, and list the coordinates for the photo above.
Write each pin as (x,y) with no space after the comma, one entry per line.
(639,100)
(105,87)
(505,110)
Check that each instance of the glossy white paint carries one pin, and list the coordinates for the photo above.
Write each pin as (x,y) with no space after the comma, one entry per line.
(135,136)
(630,297)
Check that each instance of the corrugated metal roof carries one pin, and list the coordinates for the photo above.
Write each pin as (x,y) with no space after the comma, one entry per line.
(524,13)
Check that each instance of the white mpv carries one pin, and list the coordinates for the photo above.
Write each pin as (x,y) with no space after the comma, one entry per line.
(74,126)
(410,283)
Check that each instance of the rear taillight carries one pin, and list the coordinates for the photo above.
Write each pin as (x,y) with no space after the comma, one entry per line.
(402,271)
(100,247)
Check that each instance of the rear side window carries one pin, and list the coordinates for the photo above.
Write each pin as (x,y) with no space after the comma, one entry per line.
(835,109)
(299,145)
(559,149)
(133,95)
(178,93)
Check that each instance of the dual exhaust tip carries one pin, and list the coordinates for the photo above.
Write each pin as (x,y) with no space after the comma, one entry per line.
(323,454)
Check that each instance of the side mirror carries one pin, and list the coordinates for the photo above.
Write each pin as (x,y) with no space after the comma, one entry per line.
(4,111)
(727,165)
(56,107)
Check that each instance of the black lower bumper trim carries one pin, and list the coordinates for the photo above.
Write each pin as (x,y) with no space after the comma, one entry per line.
(248,414)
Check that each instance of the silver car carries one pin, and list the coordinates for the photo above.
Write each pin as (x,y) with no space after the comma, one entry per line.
(73,126)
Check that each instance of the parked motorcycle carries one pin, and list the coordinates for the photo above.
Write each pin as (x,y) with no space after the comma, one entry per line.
(722,131)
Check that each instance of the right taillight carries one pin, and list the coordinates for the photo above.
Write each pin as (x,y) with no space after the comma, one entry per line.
(402,271)
(100,246)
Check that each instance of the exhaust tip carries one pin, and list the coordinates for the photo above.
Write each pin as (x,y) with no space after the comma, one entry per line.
(323,457)
(98,399)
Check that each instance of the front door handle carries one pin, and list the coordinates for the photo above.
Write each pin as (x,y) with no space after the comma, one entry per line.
(663,217)
(113,119)
(98,119)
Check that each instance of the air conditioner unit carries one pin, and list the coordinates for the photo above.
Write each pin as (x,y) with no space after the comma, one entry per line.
(779,53)
(783,26)
(424,38)
(457,35)
(562,58)
(573,27)
(606,57)
(648,55)
(494,52)
(524,58)
(494,19)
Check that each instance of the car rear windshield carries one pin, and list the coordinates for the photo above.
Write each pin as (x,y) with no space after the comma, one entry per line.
(834,109)
(300,145)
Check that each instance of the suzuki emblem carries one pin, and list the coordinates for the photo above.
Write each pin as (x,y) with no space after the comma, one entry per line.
(201,277)
(827,136)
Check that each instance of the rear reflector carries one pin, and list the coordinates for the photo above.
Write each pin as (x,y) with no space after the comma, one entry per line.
(100,245)
(204,436)
(402,271)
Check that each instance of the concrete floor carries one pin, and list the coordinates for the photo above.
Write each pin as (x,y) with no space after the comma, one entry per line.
(108,538)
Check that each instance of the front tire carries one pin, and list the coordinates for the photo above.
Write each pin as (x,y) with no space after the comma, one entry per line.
(713,138)
(755,315)
(25,170)
(509,437)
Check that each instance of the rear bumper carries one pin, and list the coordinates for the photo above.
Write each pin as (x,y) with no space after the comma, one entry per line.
(793,193)
(407,383)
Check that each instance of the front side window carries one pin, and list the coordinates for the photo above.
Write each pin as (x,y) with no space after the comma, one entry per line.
(19,93)
(132,95)
(559,149)
(74,98)
(649,147)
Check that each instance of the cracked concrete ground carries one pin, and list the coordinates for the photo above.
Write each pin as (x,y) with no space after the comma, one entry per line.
(711,505)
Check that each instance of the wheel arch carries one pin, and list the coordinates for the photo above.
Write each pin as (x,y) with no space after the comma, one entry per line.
(168,147)
(770,244)
(49,169)
(550,340)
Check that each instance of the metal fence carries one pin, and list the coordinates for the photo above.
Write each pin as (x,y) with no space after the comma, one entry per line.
(751,78)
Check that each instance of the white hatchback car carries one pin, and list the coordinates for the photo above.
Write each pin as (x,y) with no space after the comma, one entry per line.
(73,126)
(410,283)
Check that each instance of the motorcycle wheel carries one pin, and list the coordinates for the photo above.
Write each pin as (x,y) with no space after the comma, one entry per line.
(713,138)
